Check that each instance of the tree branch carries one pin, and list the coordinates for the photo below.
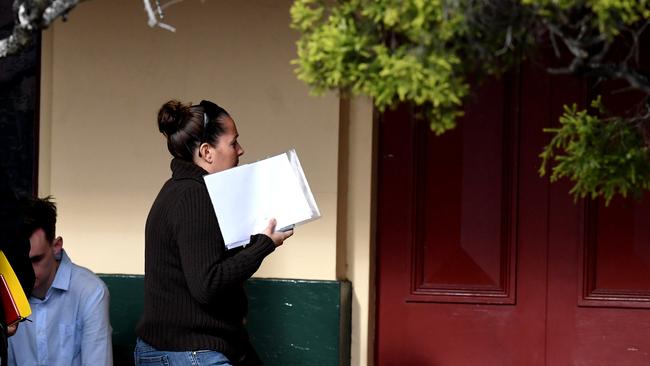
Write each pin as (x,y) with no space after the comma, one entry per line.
(32,16)
(154,20)
(589,49)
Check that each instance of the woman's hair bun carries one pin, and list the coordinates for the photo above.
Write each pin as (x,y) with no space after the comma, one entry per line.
(171,116)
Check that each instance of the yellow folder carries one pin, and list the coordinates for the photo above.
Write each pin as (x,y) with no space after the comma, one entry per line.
(15,303)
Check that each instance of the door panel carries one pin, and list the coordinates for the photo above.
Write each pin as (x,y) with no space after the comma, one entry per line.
(447,239)
(616,253)
(462,251)
(595,313)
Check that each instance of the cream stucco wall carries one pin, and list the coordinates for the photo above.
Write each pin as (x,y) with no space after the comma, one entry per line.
(105,73)
(357,220)
(110,73)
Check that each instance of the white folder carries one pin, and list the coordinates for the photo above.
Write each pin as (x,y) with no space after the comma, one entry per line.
(247,196)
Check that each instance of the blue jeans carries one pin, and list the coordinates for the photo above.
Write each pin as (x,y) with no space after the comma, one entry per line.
(147,355)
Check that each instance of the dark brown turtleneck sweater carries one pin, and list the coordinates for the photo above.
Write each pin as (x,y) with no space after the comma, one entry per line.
(194,297)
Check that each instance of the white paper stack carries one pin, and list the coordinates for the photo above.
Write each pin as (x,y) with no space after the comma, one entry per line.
(246,197)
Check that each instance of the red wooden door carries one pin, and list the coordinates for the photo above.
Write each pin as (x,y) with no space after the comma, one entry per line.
(482,262)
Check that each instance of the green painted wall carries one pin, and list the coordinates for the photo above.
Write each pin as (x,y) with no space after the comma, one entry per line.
(127,297)
(291,322)
(300,322)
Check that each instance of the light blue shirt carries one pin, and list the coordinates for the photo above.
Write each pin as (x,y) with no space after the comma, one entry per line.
(70,326)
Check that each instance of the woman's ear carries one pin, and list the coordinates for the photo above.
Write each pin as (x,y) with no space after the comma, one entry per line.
(205,152)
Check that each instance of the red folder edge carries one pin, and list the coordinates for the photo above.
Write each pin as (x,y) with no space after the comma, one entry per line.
(12,314)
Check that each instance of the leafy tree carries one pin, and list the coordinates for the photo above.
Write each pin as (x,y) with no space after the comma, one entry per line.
(424,51)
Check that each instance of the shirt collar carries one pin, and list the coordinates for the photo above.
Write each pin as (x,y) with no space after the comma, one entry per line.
(62,277)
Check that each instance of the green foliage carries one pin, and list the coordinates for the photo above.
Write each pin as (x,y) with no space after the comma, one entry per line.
(423,51)
(610,15)
(390,50)
(603,156)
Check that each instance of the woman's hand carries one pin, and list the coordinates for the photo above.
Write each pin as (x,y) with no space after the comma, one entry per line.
(278,237)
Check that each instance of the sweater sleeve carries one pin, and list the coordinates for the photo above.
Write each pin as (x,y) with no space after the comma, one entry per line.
(206,267)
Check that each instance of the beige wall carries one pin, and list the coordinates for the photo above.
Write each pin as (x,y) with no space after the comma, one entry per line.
(106,73)
(110,73)
(357,221)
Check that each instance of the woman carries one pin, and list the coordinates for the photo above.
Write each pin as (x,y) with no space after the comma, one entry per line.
(194,303)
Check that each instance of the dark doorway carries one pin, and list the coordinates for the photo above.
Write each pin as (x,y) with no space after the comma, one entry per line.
(19,100)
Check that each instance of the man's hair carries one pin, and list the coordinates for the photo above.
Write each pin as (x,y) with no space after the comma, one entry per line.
(39,213)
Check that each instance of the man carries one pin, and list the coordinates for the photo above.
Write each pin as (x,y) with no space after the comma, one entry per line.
(70,323)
